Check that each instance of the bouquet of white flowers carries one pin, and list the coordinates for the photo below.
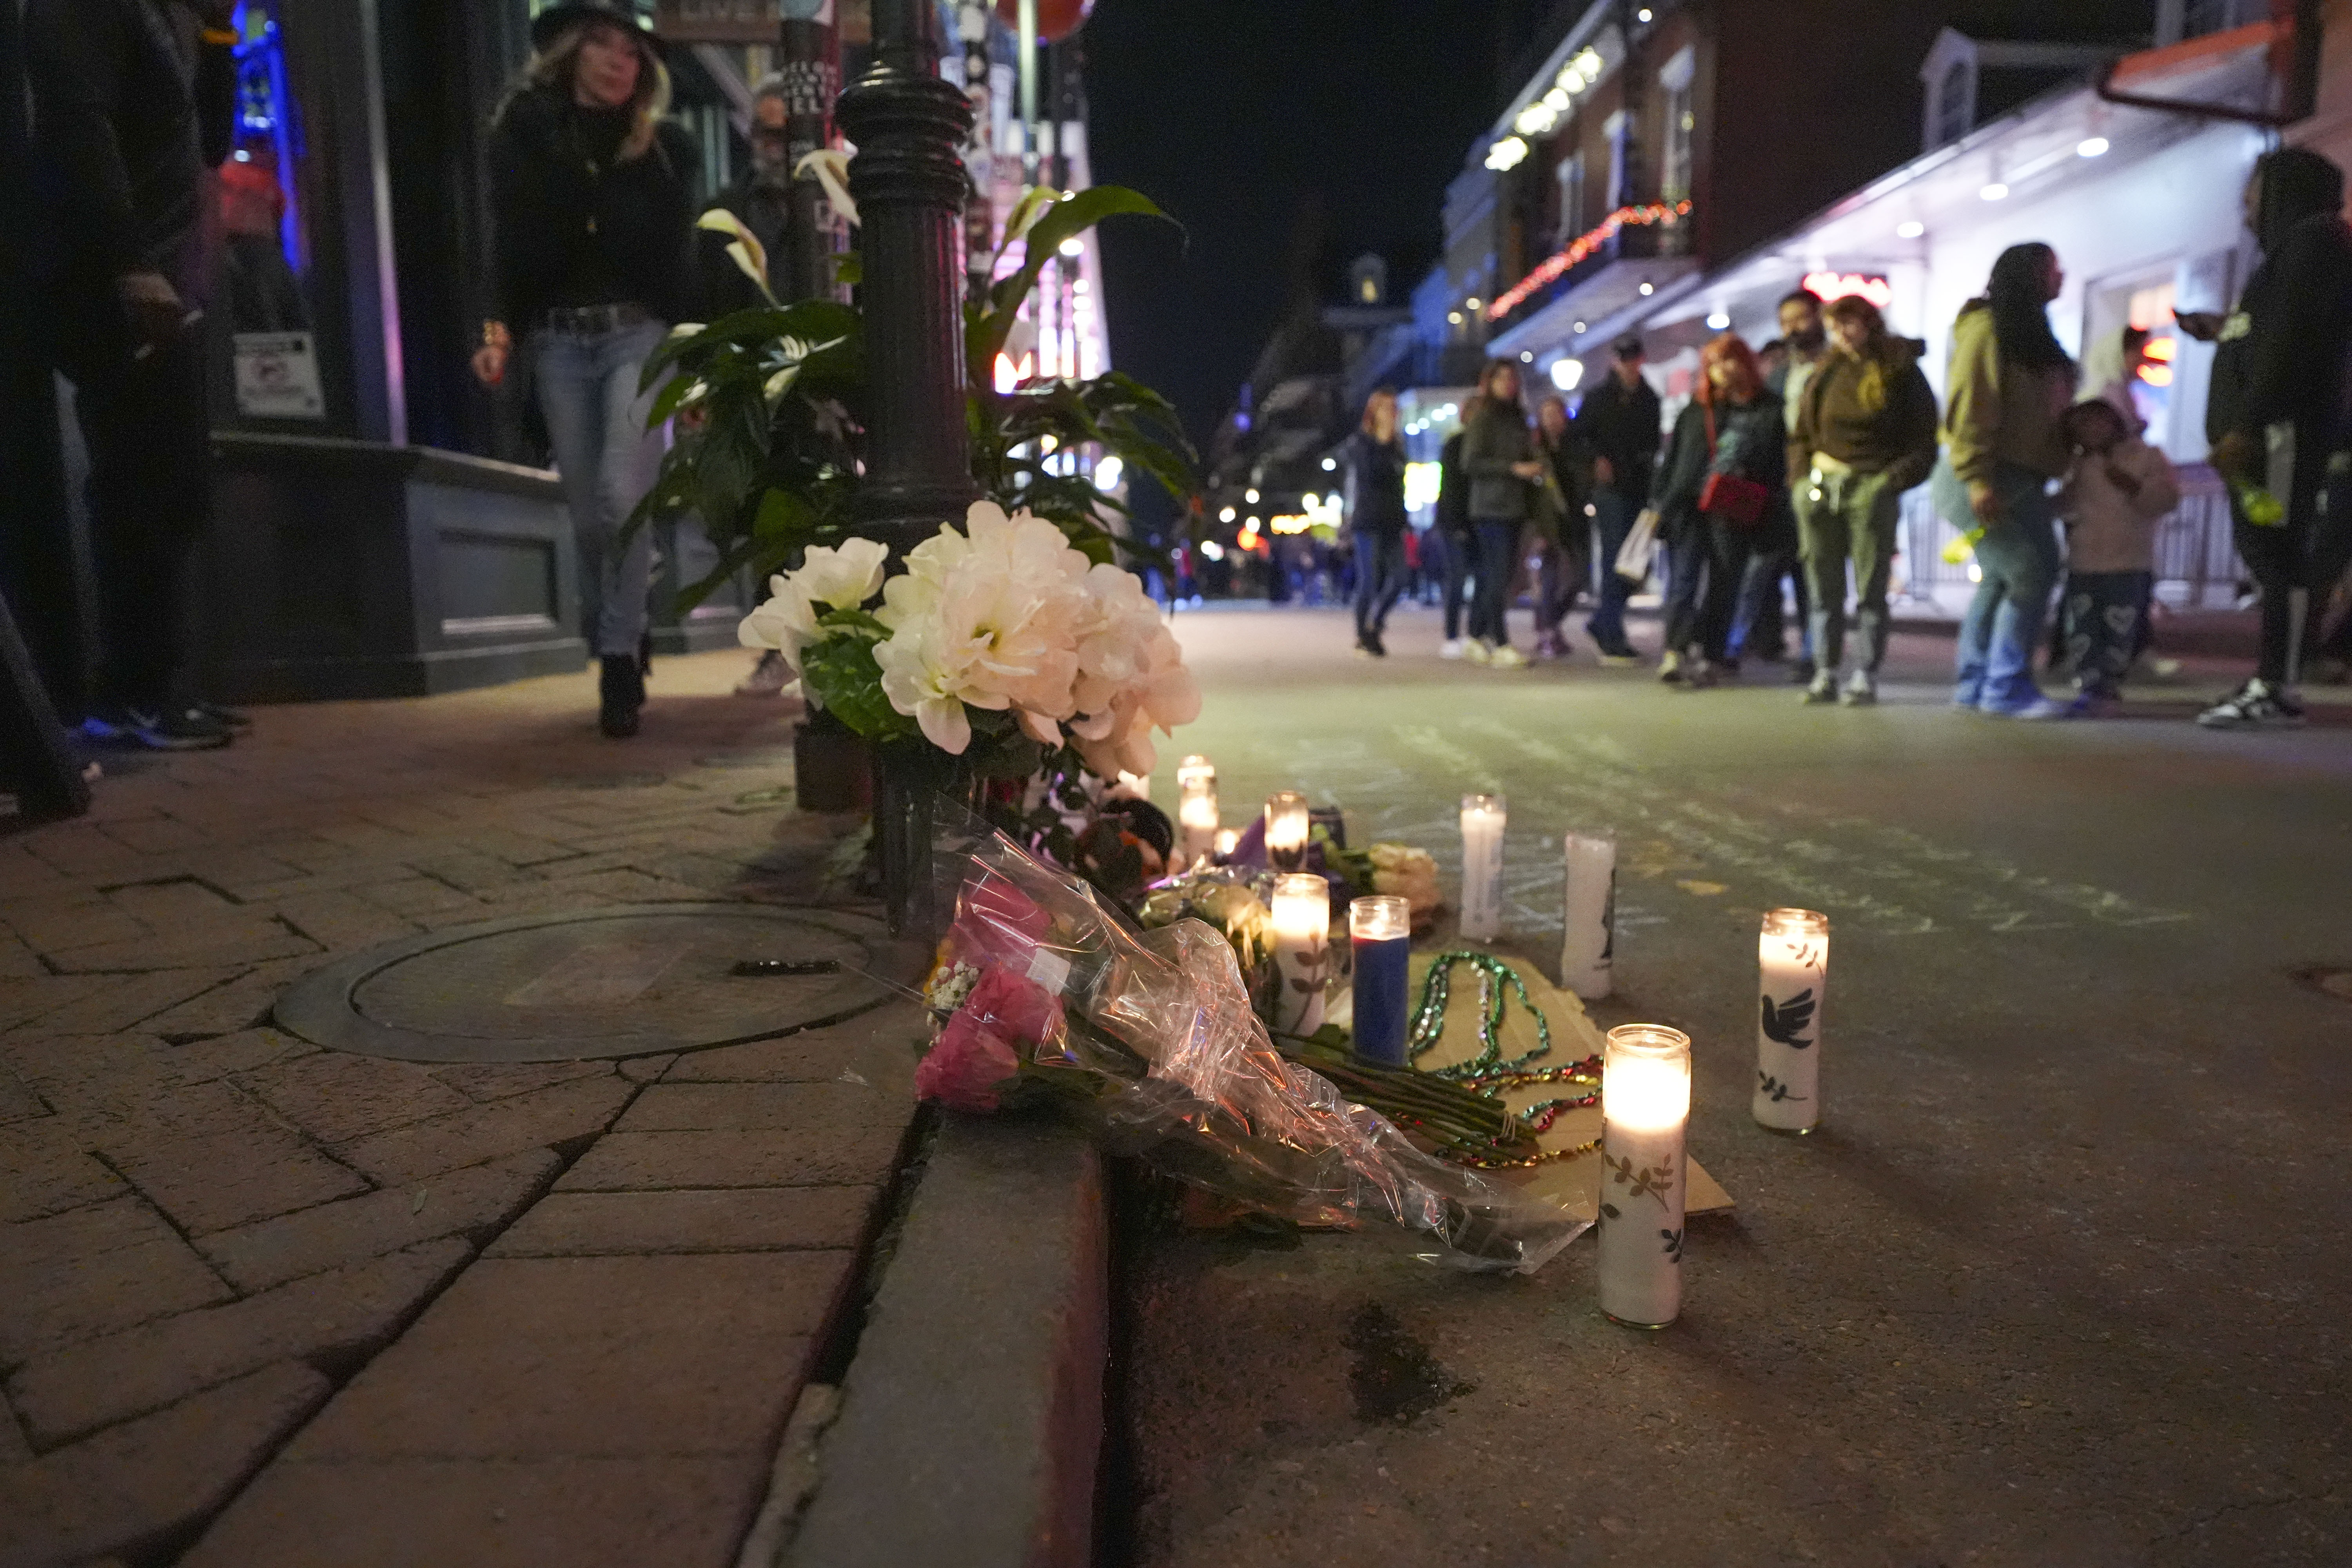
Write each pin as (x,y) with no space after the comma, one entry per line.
(1001,633)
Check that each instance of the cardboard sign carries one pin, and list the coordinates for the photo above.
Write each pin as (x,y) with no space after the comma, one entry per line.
(277,376)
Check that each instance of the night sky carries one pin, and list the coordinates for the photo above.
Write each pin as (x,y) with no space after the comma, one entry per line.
(1272,130)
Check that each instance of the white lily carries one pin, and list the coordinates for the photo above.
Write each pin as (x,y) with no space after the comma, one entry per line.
(748,253)
(830,165)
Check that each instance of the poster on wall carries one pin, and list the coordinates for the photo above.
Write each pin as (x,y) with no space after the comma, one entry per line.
(277,376)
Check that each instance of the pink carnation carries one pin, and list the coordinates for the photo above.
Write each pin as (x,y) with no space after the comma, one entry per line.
(1022,1009)
(969,1065)
(998,924)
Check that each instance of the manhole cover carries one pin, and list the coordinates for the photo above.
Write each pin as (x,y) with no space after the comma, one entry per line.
(622,981)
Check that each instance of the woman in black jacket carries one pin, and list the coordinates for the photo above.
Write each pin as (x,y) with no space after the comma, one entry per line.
(1372,460)
(1729,433)
(595,217)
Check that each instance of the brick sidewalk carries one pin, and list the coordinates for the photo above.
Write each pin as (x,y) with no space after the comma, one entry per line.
(540,1313)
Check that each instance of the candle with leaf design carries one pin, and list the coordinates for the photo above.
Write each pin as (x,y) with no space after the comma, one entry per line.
(1588,945)
(1302,949)
(1793,963)
(1645,1079)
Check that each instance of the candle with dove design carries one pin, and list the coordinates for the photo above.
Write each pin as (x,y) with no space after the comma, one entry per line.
(1645,1084)
(1793,963)
(1302,949)
(1588,945)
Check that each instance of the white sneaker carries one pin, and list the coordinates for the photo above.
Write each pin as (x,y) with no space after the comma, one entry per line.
(768,678)
(1861,689)
(2258,705)
(1480,651)
(1508,657)
(1450,648)
(1670,666)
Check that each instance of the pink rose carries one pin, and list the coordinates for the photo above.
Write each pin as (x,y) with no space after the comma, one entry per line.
(967,1066)
(997,925)
(1016,1006)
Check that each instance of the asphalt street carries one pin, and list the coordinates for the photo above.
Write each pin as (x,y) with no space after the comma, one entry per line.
(2060,1281)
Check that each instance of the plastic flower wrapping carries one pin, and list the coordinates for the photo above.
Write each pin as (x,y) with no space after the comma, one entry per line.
(1148,1039)
(1004,617)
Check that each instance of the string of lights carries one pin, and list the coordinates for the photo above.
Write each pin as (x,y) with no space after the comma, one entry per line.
(1582,246)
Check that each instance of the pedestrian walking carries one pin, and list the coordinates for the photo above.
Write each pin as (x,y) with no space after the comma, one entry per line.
(593,227)
(1723,474)
(1451,534)
(2115,490)
(1804,339)
(2274,416)
(1865,433)
(1498,456)
(1372,463)
(1618,424)
(133,101)
(2009,383)
(1559,531)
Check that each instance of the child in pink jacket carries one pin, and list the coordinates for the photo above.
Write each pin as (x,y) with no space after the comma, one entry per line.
(2116,489)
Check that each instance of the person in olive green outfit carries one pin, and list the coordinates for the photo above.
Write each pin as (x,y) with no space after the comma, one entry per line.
(1865,432)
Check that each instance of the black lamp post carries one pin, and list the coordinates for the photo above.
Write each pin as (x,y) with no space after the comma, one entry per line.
(909,185)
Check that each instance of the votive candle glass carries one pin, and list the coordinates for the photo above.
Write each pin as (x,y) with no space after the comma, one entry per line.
(1483,816)
(1588,947)
(1228,840)
(1195,767)
(1302,949)
(1286,830)
(1196,817)
(1793,983)
(1380,928)
(1645,1084)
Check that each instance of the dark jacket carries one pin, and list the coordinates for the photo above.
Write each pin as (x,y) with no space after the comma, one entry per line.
(1373,474)
(1748,441)
(1453,488)
(2282,351)
(1495,438)
(1620,424)
(1898,438)
(575,225)
(131,109)
(766,211)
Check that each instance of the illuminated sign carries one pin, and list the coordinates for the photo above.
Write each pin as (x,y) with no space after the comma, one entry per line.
(1856,285)
(1420,484)
(2156,367)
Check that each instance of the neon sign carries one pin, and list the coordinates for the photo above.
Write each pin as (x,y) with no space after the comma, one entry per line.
(1582,246)
(1851,285)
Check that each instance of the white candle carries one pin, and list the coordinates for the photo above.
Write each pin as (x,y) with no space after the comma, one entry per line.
(1286,830)
(1196,767)
(1196,815)
(1588,946)
(1228,840)
(1645,1073)
(1483,817)
(1793,983)
(1302,949)
(1138,785)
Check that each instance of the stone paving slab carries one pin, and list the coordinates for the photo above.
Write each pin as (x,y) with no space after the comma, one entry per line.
(208,1227)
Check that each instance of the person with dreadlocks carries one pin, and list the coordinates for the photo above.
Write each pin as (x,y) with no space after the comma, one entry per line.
(2009,385)
(2275,417)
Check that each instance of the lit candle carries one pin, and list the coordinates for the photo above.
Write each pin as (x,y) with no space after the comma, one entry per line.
(1196,767)
(1302,949)
(1228,840)
(1589,912)
(1646,1075)
(1482,866)
(1286,830)
(1196,813)
(1380,930)
(1792,982)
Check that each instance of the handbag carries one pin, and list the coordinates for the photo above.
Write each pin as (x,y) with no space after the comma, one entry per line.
(1734,498)
(1640,548)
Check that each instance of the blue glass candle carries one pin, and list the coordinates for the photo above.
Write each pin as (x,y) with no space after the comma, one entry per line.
(1382,931)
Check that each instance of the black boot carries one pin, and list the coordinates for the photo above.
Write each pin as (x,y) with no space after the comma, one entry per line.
(620,687)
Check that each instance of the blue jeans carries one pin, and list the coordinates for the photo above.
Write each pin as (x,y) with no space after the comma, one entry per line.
(607,460)
(1458,547)
(2018,557)
(1612,520)
(1380,579)
(1498,549)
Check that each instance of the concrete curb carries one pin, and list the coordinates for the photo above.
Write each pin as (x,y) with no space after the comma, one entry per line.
(971,1419)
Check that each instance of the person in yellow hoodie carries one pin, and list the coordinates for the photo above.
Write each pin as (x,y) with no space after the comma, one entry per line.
(2009,383)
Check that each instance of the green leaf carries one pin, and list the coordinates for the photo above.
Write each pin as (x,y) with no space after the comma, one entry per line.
(855,621)
(841,671)
(985,336)
(848,269)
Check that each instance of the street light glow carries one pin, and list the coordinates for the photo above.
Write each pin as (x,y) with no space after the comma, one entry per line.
(2091,147)
(1454,317)
(1642,15)
(1108,472)
(1074,247)
(1329,464)
(1228,515)
(1995,192)
(1647,291)
(1507,153)
(1566,373)
(1719,321)
(1911,230)
(1250,494)
(1471,304)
